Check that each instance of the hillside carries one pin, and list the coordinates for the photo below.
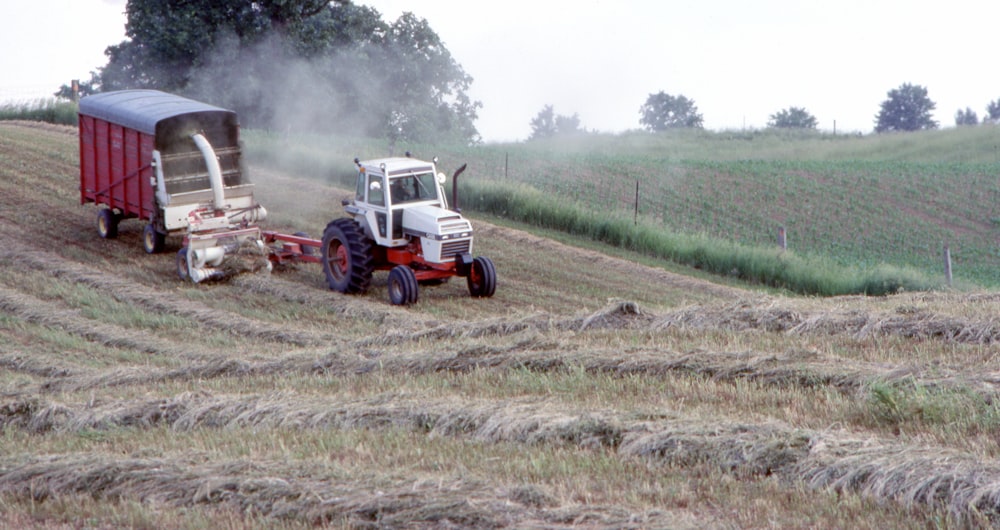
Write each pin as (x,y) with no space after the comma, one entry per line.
(853,201)
(591,391)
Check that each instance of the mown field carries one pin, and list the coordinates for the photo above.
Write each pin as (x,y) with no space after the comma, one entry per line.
(591,392)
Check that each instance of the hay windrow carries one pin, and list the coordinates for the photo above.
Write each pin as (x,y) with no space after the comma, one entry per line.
(135,293)
(967,488)
(771,316)
(913,475)
(34,310)
(261,488)
(21,362)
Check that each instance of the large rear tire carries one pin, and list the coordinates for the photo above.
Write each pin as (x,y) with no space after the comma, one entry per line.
(403,288)
(482,278)
(347,257)
(107,223)
(153,241)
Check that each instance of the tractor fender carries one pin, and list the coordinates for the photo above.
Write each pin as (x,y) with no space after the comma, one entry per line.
(463,264)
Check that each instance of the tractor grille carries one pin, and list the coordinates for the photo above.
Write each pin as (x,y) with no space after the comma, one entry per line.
(450,248)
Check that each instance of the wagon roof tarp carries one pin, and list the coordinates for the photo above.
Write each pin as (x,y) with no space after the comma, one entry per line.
(143,109)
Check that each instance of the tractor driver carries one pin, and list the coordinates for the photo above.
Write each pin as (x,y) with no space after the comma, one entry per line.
(401,191)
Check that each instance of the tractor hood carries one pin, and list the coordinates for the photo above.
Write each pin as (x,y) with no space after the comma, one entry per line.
(435,223)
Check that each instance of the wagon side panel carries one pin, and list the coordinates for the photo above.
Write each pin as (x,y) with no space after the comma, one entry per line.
(118,186)
(88,160)
(102,162)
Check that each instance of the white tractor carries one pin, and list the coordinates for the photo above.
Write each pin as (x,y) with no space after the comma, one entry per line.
(399,220)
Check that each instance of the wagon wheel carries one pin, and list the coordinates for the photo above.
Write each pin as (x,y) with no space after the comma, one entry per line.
(153,241)
(182,264)
(347,257)
(107,223)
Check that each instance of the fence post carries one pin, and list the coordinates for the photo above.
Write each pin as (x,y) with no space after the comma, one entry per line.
(636,221)
(782,241)
(947,264)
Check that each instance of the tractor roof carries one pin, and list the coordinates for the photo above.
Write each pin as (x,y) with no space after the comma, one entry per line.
(397,166)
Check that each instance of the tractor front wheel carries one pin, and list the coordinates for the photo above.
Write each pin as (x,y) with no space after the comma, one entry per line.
(347,257)
(403,288)
(482,278)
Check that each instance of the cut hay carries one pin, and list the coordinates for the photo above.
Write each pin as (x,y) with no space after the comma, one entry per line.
(131,292)
(768,315)
(284,491)
(250,257)
(913,475)
(967,488)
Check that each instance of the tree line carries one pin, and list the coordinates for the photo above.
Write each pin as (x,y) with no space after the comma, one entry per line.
(906,108)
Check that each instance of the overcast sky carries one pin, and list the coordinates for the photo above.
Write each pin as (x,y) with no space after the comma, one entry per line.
(740,61)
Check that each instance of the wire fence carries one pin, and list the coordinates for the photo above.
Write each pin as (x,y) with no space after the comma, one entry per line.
(26,93)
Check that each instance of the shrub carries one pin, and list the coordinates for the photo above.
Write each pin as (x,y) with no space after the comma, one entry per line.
(48,110)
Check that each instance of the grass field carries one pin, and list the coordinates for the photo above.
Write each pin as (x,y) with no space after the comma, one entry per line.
(592,391)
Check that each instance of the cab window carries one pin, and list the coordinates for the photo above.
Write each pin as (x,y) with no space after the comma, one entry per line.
(359,194)
(376,192)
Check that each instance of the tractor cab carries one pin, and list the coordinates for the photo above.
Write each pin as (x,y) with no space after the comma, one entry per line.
(400,199)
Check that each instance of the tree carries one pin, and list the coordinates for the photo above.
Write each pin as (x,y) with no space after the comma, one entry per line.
(792,118)
(907,109)
(547,124)
(966,117)
(317,65)
(992,112)
(543,125)
(661,111)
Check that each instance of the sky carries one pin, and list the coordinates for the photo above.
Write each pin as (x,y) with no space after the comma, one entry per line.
(740,61)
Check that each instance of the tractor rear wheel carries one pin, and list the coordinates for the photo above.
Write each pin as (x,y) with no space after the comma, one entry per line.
(403,288)
(153,241)
(482,278)
(347,256)
(107,223)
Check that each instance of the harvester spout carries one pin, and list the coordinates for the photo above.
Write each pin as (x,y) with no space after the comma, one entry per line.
(214,170)
(454,188)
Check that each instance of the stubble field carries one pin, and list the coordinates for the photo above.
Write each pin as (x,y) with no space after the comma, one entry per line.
(590,392)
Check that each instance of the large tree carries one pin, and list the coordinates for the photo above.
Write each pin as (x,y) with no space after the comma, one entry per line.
(907,109)
(792,118)
(662,111)
(312,64)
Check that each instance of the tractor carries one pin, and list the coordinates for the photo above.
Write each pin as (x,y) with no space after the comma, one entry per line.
(399,220)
